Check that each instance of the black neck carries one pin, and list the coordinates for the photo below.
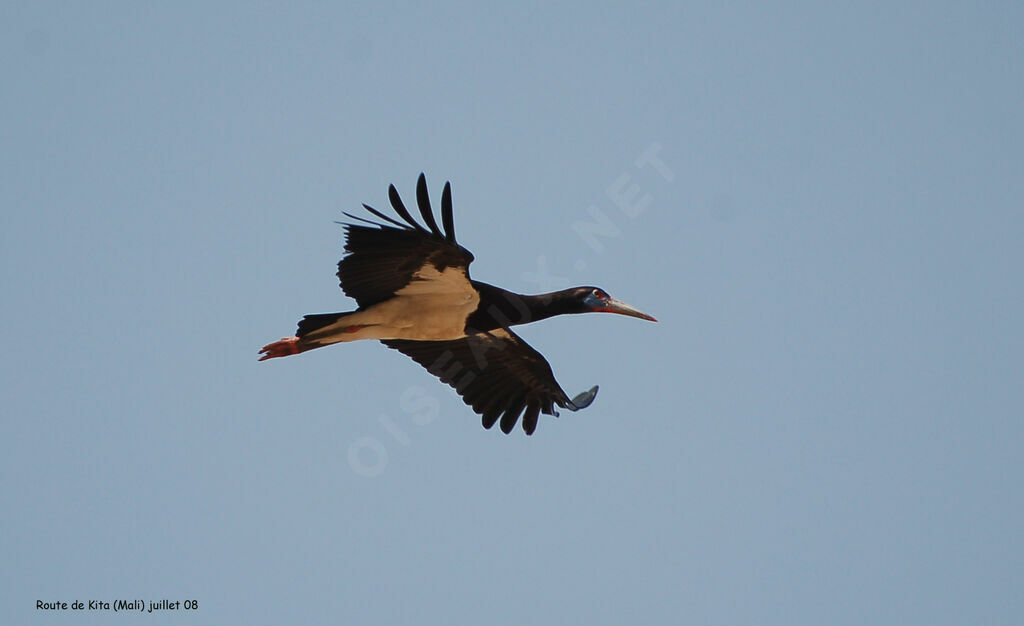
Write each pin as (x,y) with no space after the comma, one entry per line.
(499,308)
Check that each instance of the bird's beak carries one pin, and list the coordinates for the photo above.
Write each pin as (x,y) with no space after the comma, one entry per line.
(617,306)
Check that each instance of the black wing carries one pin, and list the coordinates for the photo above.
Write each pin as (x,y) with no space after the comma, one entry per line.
(496,373)
(382,258)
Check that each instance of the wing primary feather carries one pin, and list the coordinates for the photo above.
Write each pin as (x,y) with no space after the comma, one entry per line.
(495,400)
(530,417)
(446,213)
(356,217)
(423,200)
(493,409)
(385,217)
(511,416)
(490,417)
(396,202)
(517,379)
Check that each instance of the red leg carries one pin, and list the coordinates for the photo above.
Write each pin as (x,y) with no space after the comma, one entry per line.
(284,347)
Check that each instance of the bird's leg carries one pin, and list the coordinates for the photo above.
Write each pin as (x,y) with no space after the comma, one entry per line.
(284,347)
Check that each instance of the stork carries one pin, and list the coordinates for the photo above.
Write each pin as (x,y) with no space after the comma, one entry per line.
(414,292)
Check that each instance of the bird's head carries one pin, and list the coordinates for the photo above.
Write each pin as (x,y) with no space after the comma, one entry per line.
(597,300)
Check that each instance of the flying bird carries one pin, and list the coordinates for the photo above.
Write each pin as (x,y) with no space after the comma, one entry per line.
(414,292)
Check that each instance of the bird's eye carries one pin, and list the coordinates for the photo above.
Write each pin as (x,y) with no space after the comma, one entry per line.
(599,294)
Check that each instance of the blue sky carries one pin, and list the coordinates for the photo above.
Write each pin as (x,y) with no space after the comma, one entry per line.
(824,427)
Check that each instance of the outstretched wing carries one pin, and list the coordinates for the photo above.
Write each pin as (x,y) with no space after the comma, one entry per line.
(382,258)
(496,373)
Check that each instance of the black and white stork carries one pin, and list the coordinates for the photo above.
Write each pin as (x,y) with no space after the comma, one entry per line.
(415,295)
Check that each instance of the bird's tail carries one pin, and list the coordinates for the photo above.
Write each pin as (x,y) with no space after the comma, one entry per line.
(306,337)
(316,321)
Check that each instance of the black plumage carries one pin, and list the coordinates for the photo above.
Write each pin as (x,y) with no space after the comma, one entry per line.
(415,295)
(494,370)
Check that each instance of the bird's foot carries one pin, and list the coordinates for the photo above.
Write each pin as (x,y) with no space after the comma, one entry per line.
(284,347)
(583,400)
